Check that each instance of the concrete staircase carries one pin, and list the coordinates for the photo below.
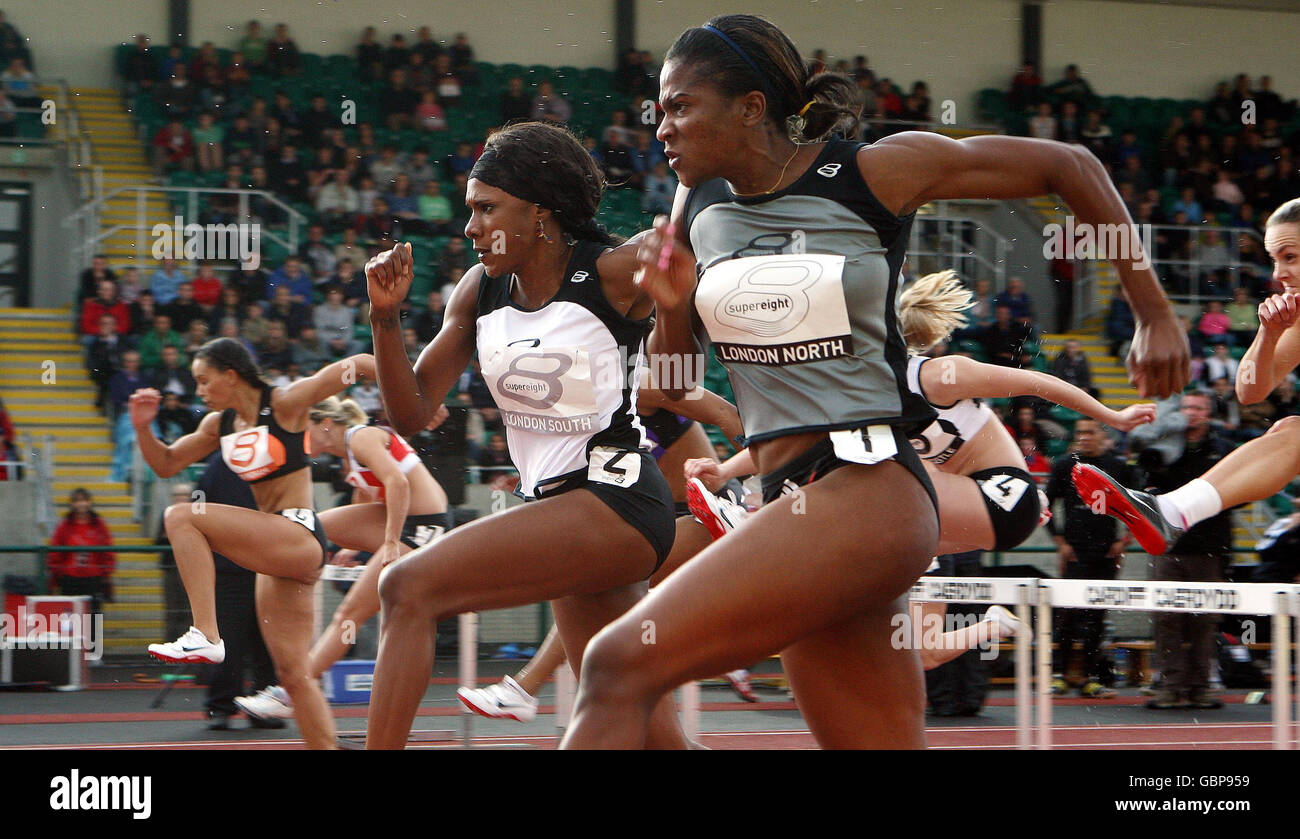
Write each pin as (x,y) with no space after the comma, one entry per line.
(48,394)
(117,148)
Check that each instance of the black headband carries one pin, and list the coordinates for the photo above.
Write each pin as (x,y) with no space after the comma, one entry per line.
(489,170)
(762,77)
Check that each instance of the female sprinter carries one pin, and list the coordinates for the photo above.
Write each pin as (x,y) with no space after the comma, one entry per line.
(798,244)
(259,430)
(558,324)
(1256,470)
(397,505)
(677,438)
(987,501)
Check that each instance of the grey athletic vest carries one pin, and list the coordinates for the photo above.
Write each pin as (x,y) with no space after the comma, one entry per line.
(798,295)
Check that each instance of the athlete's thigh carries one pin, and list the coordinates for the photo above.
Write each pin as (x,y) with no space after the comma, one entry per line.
(285,612)
(692,537)
(579,617)
(856,687)
(851,542)
(263,542)
(568,544)
(356,526)
(964,522)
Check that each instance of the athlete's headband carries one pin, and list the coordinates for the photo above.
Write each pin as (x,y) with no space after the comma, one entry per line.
(489,170)
(762,77)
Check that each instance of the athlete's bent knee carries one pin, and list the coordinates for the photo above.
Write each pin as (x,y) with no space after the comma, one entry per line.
(399,595)
(177,515)
(615,664)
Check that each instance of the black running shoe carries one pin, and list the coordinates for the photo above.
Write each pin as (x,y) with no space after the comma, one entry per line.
(1138,511)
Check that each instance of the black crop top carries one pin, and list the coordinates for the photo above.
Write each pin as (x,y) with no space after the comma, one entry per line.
(264,451)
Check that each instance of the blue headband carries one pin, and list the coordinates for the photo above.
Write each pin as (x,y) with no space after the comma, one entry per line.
(762,78)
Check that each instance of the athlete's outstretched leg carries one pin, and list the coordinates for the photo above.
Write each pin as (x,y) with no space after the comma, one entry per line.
(549,656)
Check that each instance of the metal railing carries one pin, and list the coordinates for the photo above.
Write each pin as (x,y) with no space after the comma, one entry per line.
(965,245)
(1209,249)
(63,130)
(89,232)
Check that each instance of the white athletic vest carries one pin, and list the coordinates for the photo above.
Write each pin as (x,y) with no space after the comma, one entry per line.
(956,424)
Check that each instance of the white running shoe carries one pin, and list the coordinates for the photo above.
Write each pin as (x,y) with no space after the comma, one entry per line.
(1005,624)
(719,515)
(505,700)
(272,703)
(191,648)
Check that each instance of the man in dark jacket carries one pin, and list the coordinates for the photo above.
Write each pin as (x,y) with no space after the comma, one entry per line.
(1091,548)
(1184,642)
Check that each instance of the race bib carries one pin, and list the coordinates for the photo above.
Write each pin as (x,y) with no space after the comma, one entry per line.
(1004,490)
(546,390)
(617,467)
(424,534)
(869,445)
(252,453)
(776,309)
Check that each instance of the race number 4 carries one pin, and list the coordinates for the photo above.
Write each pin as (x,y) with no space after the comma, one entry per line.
(1004,490)
(617,467)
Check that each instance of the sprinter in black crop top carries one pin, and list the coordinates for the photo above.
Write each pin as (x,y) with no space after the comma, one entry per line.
(259,430)
(787,270)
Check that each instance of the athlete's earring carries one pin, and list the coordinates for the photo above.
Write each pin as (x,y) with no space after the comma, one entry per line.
(541,232)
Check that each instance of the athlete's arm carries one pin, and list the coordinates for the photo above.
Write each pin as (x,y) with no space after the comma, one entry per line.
(299,396)
(617,268)
(163,459)
(667,275)
(698,404)
(912,168)
(738,465)
(1274,352)
(952,378)
(370,448)
(412,396)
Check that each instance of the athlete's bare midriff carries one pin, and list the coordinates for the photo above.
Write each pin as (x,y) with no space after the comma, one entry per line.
(285,492)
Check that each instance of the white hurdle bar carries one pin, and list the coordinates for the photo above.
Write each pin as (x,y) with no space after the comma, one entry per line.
(1018,592)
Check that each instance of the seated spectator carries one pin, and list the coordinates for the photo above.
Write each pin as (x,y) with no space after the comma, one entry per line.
(1120,324)
(619,169)
(286,174)
(174,419)
(1004,338)
(334,323)
(206,288)
(173,147)
(353,283)
(292,274)
(1025,422)
(495,461)
(1026,88)
(447,82)
(428,322)
(549,106)
(141,69)
(460,162)
(367,396)
(397,101)
(306,352)
(125,382)
(1224,409)
(275,349)
(173,376)
(337,200)
(208,138)
(128,287)
(282,56)
(316,253)
(253,46)
(82,573)
(379,224)
(254,325)
(104,303)
(516,105)
(197,335)
(183,310)
(1035,464)
(1073,88)
(142,314)
(401,203)
(291,313)
(166,282)
(428,114)
(350,249)
(1214,324)
(660,187)
(1072,366)
(1018,301)
(1221,365)
(104,356)
(435,209)
(249,282)
(462,59)
(91,277)
(411,343)
(370,55)
(153,341)
(230,328)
